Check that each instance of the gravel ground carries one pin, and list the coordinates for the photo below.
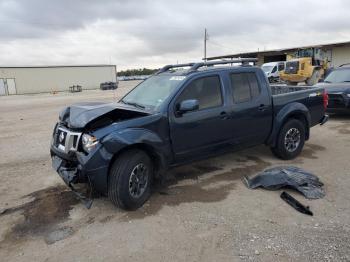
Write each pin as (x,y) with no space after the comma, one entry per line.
(204,213)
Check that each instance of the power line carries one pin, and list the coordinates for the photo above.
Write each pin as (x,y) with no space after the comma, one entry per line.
(219,44)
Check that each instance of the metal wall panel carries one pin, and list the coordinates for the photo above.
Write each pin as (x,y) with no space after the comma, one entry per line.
(29,80)
(11,86)
(2,87)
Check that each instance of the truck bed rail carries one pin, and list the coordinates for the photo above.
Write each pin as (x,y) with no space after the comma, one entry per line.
(280,89)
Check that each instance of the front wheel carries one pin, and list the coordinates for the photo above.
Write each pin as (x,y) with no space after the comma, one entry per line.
(130,178)
(313,80)
(290,141)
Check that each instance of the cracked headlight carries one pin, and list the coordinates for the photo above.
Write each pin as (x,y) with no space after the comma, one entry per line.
(88,142)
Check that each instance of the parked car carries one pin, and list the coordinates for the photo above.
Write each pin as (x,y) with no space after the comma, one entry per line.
(121,78)
(179,116)
(337,85)
(108,86)
(272,70)
(75,88)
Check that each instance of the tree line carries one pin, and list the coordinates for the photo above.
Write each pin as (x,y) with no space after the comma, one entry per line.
(137,72)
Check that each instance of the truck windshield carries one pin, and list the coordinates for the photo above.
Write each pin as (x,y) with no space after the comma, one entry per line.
(338,76)
(267,69)
(152,92)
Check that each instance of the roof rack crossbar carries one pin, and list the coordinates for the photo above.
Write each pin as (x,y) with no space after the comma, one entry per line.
(231,61)
(167,67)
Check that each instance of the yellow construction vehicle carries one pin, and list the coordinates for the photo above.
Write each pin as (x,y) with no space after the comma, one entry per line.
(306,65)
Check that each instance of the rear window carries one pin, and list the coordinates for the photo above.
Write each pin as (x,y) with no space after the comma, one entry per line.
(245,87)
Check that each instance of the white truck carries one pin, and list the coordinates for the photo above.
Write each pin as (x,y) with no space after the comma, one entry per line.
(272,70)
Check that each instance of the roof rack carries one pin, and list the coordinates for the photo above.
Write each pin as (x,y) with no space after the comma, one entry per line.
(346,64)
(195,66)
(244,61)
(167,67)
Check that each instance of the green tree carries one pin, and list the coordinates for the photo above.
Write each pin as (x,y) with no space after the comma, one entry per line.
(137,72)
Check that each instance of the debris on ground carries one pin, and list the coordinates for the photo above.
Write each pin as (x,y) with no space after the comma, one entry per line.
(288,176)
(296,204)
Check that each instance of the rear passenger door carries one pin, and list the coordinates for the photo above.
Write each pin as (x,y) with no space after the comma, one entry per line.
(251,109)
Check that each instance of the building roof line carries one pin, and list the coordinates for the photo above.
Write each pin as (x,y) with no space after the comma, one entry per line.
(278,50)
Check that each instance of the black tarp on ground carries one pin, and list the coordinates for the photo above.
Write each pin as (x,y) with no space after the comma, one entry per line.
(288,176)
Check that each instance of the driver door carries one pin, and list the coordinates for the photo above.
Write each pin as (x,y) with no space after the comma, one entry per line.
(198,132)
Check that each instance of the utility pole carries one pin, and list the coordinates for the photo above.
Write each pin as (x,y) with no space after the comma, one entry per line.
(206,37)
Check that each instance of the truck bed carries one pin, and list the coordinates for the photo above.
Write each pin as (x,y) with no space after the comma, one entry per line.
(311,97)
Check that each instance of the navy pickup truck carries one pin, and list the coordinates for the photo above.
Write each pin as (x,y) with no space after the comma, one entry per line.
(175,117)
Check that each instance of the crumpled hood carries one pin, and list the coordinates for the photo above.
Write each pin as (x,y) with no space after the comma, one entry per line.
(79,115)
(335,87)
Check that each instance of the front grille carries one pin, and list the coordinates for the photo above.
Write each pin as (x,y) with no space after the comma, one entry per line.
(292,67)
(335,100)
(66,140)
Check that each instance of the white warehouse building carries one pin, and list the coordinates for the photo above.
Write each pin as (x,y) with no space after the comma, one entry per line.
(43,79)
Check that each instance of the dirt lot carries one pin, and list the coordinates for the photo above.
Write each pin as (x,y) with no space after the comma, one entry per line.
(204,214)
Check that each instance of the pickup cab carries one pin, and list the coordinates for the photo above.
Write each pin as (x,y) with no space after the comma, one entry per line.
(176,117)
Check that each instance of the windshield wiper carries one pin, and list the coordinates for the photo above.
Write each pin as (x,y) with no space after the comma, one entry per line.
(346,81)
(133,104)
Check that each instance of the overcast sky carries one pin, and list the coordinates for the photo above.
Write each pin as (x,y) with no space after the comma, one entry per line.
(134,34)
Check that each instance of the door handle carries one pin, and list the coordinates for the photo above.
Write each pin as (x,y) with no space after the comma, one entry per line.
(224,115)
(262,107)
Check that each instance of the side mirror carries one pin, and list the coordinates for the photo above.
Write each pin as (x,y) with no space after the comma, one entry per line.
(188,105)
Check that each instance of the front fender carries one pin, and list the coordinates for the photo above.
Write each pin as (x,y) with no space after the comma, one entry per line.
(118,140)
(115,141)
(288,111)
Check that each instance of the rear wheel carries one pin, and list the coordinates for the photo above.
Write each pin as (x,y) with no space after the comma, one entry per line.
(290,140)
(130,178)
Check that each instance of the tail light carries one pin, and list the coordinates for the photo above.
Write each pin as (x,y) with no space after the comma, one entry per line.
(325,100)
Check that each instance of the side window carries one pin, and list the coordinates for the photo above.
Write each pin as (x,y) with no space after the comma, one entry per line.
(245,87)
(206,90)
(240,86)
(254,85)
(281,67)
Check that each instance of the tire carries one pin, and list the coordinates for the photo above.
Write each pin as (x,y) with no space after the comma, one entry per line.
(313,80)
(290,140)
(289,83)
(127,188)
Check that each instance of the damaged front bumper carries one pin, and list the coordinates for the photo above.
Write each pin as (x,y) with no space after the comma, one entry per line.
(79,170)
(71,175)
